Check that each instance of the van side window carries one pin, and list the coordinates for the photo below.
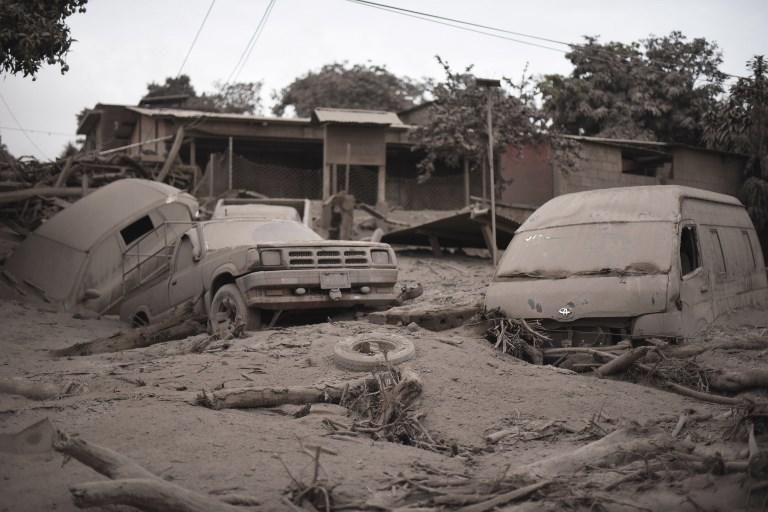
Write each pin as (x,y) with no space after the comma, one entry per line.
(717,250)
(689,250)
(136,230)
(750,249)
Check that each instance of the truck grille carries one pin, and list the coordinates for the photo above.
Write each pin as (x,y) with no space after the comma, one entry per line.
(328,257)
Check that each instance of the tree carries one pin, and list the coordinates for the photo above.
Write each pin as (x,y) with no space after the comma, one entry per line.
(739,123)
(657,89)
(457,129)
(233,98)
(34,32)
(359,86)
(181,84)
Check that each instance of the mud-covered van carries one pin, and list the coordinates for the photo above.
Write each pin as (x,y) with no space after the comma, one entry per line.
(600,266)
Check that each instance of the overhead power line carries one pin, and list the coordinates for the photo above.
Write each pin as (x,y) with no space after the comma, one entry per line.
(21,128)
(197,34)
(44,132)
(467,26)
(235,73)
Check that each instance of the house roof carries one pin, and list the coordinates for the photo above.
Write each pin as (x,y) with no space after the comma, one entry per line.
(181,113)
(620,204)
(353,116)
(647,144)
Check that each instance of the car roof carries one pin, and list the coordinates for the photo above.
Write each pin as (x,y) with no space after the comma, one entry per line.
(621,204)
(85,222)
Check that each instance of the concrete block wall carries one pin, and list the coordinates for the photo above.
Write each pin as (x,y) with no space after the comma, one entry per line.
(599,167)
(708,170)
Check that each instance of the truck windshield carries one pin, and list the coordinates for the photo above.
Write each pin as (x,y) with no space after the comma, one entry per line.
(235,233)
(618,248)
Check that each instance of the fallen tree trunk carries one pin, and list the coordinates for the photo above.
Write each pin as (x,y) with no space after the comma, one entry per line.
(132,484)
(148,494)
(253,397)
(622,363)
(621,446)
(502,499)
(178,326)
(738,381)
(29,389)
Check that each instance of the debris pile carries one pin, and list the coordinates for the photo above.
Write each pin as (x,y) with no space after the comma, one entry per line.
(31,191)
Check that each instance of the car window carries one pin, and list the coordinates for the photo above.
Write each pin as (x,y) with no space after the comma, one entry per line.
(689,250)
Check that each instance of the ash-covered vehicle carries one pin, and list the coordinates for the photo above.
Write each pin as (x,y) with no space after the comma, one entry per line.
(239,271)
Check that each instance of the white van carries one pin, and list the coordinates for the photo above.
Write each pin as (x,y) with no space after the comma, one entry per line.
(660,261)
(110,241)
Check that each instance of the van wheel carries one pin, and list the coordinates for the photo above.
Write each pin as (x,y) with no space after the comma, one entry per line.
(229,311)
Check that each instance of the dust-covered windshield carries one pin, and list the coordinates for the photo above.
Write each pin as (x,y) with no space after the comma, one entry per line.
(235,233)
(621,248)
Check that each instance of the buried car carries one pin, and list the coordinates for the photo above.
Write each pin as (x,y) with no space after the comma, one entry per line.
(597,267)
(237,269)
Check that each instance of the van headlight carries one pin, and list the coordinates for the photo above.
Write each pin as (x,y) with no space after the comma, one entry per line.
(380,257)
(271,258)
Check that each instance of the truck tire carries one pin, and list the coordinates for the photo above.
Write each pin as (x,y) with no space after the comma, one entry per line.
(228,309)
(365,353)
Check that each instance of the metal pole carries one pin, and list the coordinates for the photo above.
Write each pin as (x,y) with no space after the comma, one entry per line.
(492,181)
(229,165)
(346,176)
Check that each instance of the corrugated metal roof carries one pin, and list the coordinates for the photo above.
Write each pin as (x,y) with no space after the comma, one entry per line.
(621,204)
(352,116)
(181,113)
(650,144)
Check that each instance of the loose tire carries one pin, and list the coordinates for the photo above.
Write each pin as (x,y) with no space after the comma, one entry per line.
(228,309)
(365,353)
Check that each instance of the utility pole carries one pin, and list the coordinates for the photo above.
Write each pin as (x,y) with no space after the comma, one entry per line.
(489,85)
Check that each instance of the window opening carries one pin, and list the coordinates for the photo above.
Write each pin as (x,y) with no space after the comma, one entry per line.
(136,230)
(717,245)
(689,250)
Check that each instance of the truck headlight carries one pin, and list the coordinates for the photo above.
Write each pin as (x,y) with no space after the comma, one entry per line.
(379,257)
(271,258)
(252,258)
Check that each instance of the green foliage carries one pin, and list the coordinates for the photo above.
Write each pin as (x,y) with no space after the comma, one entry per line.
(33,32)
(457,128)
(69,150)
(234,98)
(181,84)
(360,86)
(657,89)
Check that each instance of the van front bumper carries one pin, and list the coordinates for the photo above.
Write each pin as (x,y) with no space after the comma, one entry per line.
(310,288)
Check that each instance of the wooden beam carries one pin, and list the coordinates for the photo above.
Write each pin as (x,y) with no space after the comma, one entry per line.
(171,158)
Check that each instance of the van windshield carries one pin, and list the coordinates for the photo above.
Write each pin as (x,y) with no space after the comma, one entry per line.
(235,233)
(616,248)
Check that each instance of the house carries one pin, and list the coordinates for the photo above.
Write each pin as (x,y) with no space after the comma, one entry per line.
(370,154)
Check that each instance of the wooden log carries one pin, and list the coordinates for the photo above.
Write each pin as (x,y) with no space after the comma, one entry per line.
(256,397)
(180,325)
(172,154)
(61,180)
(738,381)
(21,195)
(701,395)
(29,389)
(497,436)
(621,446)
(622,363)
(506,497)
(148,494)
(102,460)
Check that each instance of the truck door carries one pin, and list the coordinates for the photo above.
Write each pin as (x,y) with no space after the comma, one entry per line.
(695,283)
(186,281)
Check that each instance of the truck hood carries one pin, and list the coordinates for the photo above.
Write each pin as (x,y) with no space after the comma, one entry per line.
(579,297)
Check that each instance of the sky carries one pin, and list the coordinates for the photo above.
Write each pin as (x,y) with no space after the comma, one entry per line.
(123,45)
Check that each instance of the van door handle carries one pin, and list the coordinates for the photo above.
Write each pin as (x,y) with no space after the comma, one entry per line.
(173,283)
(704,289)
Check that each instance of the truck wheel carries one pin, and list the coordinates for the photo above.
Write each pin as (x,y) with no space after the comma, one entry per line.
(365,353)
(228,310)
